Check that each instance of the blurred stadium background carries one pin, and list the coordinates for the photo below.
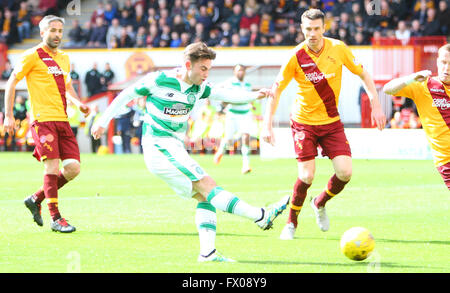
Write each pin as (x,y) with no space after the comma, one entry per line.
(113,43)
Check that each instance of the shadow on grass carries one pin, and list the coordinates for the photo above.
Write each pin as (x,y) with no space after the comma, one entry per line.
(194,234)
(438,242)
(353,264)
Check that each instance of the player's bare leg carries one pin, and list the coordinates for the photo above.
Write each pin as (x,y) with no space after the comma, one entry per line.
(71,169)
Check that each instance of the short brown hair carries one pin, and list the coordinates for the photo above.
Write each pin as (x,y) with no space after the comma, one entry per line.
(313,14)
(197,51)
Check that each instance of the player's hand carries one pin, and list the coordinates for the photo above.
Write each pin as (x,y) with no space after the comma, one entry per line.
(267,135)
(97,131)
(378,117)
(422,75)
(85,110)
(9,124)
(262,93)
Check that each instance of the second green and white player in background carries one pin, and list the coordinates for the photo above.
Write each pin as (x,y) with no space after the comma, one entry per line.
(238,119)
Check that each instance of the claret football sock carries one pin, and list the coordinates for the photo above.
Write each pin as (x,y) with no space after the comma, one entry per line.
(298,197)
(334,186)
(51,194)
(39,195)
(61,180)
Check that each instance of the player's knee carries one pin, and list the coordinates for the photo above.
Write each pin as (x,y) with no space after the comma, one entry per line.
(344,175)
(204,185)
(306,177)
(51,170)
(71,169)
(199,197)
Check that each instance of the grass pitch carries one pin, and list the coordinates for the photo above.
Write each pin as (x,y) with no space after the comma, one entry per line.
(129,221)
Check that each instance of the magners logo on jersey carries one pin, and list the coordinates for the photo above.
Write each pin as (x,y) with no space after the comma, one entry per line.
(177,109)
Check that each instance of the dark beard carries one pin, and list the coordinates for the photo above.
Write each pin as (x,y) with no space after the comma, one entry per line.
(50,45)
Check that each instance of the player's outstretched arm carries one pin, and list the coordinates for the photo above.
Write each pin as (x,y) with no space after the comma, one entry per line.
(10,93)
(263,93)
(236,95)
(128,94)
(378,117)
(397,84)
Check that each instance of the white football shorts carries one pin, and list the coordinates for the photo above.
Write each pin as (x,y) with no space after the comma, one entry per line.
(237,124)
(167,158)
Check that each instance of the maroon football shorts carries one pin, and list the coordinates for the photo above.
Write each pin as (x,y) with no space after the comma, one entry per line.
(330,137)
(54,140)
(444,170)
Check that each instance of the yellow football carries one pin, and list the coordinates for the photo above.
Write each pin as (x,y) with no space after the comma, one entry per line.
(357,243)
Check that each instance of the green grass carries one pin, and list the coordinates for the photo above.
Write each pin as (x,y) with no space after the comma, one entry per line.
(130,221)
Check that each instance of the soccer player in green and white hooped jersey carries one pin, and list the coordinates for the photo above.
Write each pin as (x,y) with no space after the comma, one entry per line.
(171,96)
(238,120)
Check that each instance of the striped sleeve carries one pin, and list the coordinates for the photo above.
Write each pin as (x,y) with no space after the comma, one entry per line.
(139,89)
(142,86)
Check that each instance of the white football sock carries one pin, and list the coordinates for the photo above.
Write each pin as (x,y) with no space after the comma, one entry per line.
(222,146)
(206,221)
(227,202)
(245,151)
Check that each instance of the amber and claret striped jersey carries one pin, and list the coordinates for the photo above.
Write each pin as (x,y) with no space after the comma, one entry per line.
(319,80)
(47,75)
(432,99)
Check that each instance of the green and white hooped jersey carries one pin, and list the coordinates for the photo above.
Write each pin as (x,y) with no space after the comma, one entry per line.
(170,101)
(239,108)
